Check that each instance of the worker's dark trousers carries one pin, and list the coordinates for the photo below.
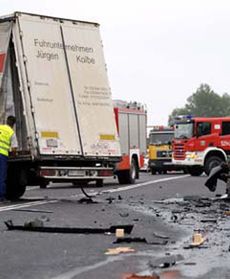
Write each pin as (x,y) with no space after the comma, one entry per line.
(3,175)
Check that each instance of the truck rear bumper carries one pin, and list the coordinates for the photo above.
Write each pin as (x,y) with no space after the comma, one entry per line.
(164,165)
(74,173)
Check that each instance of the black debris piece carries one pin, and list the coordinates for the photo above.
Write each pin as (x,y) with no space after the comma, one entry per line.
(110,199)
(129,240)
(127,229)
(87,200)
(161,236)
(124,214)
(165,262)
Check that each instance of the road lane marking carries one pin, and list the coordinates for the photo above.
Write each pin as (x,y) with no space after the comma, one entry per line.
(17,206)
(79,270)
(133,186)
(120,189)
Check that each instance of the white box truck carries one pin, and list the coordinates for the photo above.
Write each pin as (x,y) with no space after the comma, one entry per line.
(53,78)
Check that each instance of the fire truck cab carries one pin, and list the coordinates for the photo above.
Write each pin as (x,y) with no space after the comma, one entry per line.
(201,143)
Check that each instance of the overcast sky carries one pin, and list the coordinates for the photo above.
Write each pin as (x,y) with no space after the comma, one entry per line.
(157,52)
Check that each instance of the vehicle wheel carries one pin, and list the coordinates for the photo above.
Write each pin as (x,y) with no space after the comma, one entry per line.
(211,162)
(15,191)
(128,176)
(99,183)
(137,171)
(132,173)
(16,182)
(185,170)
(195,171)
(43,184)
(153,171)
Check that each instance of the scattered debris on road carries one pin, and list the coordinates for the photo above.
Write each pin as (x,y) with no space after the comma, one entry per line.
(135,276)
(165,262)
(119,250)
(35,227)
(130,239)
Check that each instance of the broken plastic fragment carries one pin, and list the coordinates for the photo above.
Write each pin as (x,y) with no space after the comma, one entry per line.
(119,250)
(197,239)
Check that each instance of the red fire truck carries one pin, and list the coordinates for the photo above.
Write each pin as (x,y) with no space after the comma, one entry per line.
(201,143)
(131,119)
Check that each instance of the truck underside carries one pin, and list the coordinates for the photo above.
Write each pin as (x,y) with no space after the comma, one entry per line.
(24,172)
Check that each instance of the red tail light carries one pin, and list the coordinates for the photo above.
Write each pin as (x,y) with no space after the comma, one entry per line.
(105,173)
(47,172)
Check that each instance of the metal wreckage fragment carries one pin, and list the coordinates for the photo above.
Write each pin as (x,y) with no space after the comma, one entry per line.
(221,172)
(40,228)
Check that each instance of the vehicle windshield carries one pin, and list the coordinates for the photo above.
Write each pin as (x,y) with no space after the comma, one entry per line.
(183,130)
(160,138)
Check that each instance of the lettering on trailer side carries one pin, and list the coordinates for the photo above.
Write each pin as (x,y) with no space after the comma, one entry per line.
(46,50)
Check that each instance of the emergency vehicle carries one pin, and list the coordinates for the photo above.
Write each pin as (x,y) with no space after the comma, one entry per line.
(201,143)
(131,119)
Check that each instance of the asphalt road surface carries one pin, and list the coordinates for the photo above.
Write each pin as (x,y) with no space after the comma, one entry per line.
(164,210)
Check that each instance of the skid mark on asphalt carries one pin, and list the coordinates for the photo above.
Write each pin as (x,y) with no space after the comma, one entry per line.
(131,187)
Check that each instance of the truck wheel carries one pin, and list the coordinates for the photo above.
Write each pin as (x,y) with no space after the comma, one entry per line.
(153,171)
(15,191)
(211,162)
(195,171)
(128,176)
(99,183)
(16,183)
(132,173)
(43,184)
(137,172)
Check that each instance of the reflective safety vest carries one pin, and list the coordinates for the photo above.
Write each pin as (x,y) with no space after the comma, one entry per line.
(6,133)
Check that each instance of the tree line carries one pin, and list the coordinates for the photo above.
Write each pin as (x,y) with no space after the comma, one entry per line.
(204,103)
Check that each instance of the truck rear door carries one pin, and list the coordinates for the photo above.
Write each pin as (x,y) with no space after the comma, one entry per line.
(67,87)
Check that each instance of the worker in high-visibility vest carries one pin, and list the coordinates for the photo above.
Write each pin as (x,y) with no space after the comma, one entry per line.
(6,134)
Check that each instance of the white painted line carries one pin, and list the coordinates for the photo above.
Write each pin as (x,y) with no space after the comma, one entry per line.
(120,189)
(133,186)
(17,206)
(79,270)
(32,188)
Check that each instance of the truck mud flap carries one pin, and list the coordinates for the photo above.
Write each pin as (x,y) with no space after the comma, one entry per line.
(10,226)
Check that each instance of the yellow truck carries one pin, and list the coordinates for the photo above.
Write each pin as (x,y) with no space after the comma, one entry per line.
(160,150)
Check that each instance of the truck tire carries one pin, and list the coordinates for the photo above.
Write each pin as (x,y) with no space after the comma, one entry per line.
(15,191)
(211,162)
(128,176)
(153,171)
(195,171)
(99,183)
(16,183)
(43,184)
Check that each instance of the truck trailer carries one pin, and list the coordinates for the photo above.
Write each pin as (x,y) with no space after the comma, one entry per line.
(53,78)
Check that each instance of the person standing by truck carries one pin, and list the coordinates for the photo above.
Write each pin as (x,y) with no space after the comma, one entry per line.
(6,134)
